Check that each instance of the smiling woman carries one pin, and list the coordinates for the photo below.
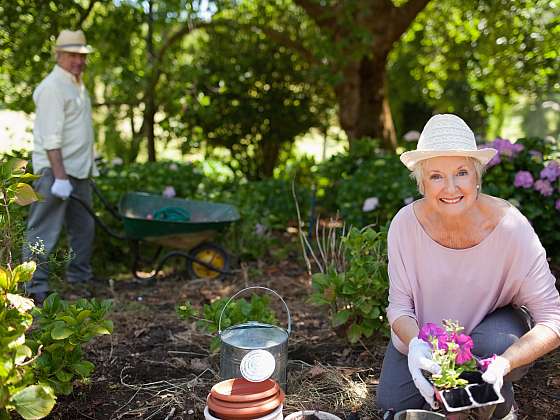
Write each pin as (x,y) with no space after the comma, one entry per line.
(463,255)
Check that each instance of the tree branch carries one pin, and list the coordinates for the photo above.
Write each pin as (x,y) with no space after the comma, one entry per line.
(184,30)
(283,39)
(407,13)
(86,12)
(324,16)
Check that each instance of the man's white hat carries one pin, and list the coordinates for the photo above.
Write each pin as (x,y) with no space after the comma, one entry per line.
(72,41)
(446,135)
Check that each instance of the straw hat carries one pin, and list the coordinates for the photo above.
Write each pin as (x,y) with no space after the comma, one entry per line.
(72,41)
(446,135)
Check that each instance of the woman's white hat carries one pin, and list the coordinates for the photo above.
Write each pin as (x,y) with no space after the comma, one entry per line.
(446,135)
(72,41)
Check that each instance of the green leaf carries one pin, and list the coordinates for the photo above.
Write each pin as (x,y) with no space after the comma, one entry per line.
(83,315)
(22,353)
(24,272)
(354,333)
(25,194)
(34,402)
(64,376)
(83,368)
(5,278)
(60,332)
(340,318)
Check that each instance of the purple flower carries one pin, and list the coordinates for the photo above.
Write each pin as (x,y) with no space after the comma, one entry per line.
(551,171)
(465,345)
(484,363)
(496,160)
(523,179)
(430,331)
(169,192)
(557,204)
(535,155)
(543,186)
(505,148)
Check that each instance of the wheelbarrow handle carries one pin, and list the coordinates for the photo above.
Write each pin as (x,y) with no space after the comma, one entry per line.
(97,219)
(289,330)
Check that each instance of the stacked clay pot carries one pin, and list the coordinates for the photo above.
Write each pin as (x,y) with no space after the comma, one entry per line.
(240,399)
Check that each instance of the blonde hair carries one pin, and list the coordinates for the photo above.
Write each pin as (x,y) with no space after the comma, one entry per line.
(418,172)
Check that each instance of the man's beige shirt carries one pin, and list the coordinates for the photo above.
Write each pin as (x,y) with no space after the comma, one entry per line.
(63,121)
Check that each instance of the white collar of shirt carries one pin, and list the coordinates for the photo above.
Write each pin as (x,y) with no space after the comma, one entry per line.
(59,71)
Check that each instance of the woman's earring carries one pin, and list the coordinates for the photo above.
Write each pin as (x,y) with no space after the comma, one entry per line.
(477,190)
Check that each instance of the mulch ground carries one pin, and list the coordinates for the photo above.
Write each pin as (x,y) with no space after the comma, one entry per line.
(156,366)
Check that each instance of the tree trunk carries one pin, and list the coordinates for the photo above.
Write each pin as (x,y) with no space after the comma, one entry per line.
(363,105)
(150,111)
(269,151)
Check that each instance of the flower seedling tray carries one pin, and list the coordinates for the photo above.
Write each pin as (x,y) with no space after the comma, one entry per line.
(477,394)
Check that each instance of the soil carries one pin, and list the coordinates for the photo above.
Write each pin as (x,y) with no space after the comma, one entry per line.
(156,366)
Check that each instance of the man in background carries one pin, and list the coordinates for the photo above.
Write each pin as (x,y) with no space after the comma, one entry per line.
(63,156)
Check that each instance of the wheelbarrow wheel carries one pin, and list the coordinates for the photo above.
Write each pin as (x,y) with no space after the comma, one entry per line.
(213,255)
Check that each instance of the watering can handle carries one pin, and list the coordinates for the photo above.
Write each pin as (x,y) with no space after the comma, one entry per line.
(289,330)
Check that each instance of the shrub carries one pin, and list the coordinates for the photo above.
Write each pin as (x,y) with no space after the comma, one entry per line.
(352,281)
(238,311)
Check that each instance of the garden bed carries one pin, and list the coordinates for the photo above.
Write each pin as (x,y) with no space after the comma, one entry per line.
(156,366)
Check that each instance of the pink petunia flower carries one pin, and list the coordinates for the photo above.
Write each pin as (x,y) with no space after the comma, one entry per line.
(484,363)
(465,345)
(430,331)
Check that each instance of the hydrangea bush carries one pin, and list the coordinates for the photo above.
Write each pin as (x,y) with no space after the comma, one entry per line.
(527,174)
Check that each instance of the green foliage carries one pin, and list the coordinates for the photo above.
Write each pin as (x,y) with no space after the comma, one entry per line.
(33,370)
(19,389)
(354,287)
(256,110)
(238,311)
(63,329)
(347,180)
(459,56)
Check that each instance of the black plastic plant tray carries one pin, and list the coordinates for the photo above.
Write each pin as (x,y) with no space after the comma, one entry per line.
(477,394)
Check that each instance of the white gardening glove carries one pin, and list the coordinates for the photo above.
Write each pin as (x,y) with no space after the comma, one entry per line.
(497,369)
(61,188)
(419,359)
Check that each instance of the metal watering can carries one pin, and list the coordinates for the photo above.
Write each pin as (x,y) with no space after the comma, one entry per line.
(254,350)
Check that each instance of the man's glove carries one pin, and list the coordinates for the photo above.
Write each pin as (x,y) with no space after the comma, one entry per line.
(419,359)
(497,369)
(61,188)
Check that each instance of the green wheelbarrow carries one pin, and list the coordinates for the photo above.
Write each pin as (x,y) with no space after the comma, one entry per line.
(185,226)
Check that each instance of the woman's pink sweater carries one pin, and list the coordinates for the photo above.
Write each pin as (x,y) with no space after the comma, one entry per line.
(429,282)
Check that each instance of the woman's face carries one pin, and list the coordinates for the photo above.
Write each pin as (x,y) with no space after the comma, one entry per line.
(450,184)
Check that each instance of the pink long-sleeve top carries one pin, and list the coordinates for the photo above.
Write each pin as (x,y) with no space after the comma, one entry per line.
(430,283)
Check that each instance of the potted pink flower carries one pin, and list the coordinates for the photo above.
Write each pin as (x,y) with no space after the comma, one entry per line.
(459,385)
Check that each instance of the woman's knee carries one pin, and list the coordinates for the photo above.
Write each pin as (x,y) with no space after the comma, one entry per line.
(499,330)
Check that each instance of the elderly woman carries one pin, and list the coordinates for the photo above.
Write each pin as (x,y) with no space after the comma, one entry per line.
(463,255)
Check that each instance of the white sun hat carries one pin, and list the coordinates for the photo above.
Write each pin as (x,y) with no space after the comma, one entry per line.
(72,41)
(446,135)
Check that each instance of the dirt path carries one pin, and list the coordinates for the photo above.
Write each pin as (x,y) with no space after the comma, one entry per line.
(156,366)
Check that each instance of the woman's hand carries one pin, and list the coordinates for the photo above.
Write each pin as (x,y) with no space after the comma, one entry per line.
(419,359)
(497,369)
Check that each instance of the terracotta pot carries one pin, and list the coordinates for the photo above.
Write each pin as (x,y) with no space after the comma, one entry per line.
(275,415)
(246,409)
(241,390)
